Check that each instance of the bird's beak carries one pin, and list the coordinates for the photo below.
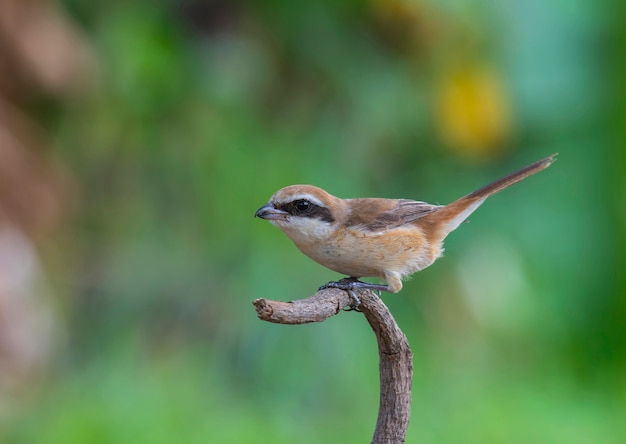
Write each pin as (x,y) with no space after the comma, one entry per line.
(269,212)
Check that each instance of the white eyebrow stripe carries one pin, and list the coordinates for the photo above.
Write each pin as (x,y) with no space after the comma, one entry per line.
(306,196)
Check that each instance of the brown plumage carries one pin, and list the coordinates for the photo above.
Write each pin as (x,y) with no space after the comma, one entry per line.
(373,237)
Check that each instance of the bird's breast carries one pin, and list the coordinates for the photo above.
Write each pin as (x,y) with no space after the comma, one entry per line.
(357,252)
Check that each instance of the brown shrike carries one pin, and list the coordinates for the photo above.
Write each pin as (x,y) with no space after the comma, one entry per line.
(386,238)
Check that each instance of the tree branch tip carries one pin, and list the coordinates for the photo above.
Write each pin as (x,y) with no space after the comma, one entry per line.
(263,309)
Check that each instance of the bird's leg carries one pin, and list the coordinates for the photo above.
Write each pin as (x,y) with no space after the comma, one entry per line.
(350,284)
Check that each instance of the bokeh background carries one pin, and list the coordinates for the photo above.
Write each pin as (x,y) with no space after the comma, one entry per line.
(137,139)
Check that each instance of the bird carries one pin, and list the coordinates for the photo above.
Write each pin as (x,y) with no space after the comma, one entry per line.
(389,239)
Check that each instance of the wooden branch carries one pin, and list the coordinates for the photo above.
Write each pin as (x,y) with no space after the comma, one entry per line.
(395,356)
(317,308)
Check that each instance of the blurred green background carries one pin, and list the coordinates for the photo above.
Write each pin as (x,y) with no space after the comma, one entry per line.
(193,113)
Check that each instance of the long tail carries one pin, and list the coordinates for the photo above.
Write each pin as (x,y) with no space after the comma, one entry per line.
(448,218)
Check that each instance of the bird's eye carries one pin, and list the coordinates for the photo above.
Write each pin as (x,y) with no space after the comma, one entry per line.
(302,205)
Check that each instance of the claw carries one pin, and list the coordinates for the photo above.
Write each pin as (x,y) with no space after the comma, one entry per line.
(356,301)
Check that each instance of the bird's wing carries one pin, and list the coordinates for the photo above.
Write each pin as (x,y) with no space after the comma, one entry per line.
(386,214)
(405,212)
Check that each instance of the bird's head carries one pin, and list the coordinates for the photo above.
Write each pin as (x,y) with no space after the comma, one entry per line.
(303,212)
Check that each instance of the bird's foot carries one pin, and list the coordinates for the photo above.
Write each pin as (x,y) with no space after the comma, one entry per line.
(350,284)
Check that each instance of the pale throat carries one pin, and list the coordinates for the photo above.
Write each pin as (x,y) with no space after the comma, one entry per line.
(305,230)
